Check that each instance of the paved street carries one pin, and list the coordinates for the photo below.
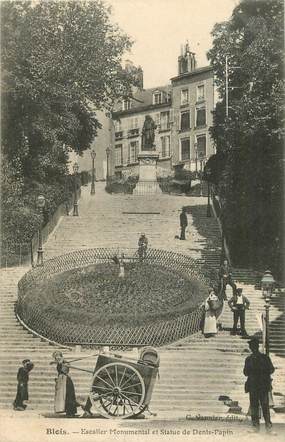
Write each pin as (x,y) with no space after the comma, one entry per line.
(102,430)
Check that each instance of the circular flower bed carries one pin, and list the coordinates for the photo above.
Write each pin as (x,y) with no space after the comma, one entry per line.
(79,298)
(95,295)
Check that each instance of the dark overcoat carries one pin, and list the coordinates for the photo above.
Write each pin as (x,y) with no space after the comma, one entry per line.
(258,369)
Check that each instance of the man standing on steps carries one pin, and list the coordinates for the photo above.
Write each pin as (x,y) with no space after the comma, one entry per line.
(225,275)
(183,223)
(258,369)
(238,305)
(142,246)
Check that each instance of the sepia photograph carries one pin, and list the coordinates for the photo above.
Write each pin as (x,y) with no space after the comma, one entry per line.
(142,278)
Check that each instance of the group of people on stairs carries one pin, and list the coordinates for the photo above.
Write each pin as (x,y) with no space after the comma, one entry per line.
(258,369)
(214,305)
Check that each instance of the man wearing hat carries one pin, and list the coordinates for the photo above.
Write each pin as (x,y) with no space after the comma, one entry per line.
(183,223)
(258,369)
(22,388)
(142,246)
(238,304)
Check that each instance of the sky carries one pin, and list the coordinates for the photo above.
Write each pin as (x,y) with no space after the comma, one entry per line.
(159,27)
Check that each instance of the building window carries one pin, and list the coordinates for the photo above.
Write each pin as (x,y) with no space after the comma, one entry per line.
(164,120)
(119,135)
(126,105)
(118,155)
(165,146)
(118,126)
(184,96)
(133,151)
(200,92)
(133,123)
(200,117)
(185,149)
(201,146)
(185,121)
(157,98)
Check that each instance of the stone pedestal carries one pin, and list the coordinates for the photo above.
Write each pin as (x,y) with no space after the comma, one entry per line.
(147,184)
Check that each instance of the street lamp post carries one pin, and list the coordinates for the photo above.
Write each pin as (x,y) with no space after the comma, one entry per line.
(75,203)
(196,159)
(108,152)
(267,284)
(201,177)
(208,174)
(93,156)
(40,204)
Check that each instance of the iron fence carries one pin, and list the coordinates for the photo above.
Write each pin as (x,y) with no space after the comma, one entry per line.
(62,331)
(14,253)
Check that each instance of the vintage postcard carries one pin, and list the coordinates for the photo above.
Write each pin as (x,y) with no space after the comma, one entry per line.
(142,261)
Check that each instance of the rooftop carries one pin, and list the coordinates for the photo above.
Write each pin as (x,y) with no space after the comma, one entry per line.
(197,71)
(143,99)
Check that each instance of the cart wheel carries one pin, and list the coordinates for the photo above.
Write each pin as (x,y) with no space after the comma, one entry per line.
(118,391)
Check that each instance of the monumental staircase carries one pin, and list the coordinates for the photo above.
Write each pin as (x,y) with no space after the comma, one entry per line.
(195,371)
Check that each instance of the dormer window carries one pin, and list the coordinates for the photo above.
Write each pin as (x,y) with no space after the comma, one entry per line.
(157,97)
(126,105)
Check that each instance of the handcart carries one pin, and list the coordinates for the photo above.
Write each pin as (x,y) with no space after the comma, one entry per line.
(122,387)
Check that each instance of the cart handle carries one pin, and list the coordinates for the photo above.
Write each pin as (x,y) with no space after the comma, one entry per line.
(81,369)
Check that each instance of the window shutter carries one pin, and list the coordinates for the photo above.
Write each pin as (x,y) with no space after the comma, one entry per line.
(176,118)
(168,146)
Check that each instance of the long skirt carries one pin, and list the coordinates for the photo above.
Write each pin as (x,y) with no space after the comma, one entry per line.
(22,395)
(70,399)
(65,399)
(60,394)
(210,324)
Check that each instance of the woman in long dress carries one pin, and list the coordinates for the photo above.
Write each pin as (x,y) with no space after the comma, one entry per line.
(22,387)
(212,306)
(65,399)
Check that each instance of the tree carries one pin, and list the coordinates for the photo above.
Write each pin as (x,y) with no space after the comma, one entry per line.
(61,60)
(251,136)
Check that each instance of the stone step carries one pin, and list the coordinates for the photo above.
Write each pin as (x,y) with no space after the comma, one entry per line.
(185,367)
(159,403)
(165,362)
(85,384)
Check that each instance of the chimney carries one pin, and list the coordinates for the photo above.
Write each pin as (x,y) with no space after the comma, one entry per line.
(187,60)
(140,77)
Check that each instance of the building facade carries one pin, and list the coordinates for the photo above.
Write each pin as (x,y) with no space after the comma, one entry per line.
(100,143)
(182,112)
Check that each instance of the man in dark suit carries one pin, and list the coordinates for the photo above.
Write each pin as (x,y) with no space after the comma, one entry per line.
(258,368)
(225,275)
(183,223)
(238,305)
(142,246)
